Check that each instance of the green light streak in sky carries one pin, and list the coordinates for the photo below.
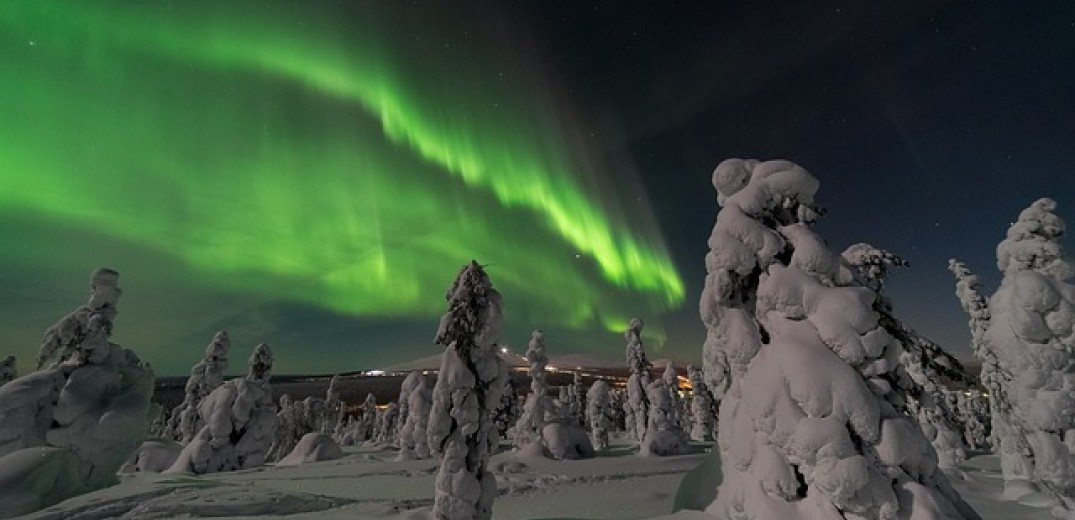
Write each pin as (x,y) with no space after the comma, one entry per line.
(250,141)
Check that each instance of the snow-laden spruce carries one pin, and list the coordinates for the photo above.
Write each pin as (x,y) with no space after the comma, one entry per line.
(811,422)
(618,409)
(64,337)
(549,428)
(66,428)
(469,383)
(413,440)
(386,426)
(184,421)
(361,428)
(8,370)
(702,409)
(637,405)
(405,389)
(670,377)
(1007,441)
(974,414)
(332,420)
(599,414)
(240,422)
(576,400)
(285,437)
(535,410)
(367,421)
(663,436)
(923,360)
(508,411)
(1029,342)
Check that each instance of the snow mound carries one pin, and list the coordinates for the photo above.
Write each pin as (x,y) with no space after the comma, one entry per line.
(33,478)
(154,455)
(566,440)
(312,447)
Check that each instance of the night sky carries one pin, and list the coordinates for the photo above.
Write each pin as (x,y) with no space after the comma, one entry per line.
(313,174)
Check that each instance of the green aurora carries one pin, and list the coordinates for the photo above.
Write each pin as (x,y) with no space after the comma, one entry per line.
(344,159)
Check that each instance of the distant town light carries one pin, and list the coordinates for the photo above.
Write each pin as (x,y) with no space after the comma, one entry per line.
(503,350)
(375,372)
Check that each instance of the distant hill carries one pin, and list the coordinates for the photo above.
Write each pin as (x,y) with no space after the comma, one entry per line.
(566,361)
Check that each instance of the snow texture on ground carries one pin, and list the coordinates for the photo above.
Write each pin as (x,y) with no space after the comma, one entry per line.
(369,483)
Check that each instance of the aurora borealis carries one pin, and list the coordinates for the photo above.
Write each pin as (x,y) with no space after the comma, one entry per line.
(281,155)
(312,174)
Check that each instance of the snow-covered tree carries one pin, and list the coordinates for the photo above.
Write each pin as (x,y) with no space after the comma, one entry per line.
(7,370)
(509,411)
(930,407)
(974,414)
(205,376)
(537,406)
(405,388)
(386,426)
(413,440)
(922,360)
(333,418)
(598,414)
(1030,335)
(663,436)
(618,409)
(366,425)
(812,419)
(240,422)
(670,377)
(469,383)
(702,410)
(637,405)
(294,420)
(62,339)
(1007,441)
(360,429)
(67,428)
(289,419)
(872,264)
(159,425)
(576,399)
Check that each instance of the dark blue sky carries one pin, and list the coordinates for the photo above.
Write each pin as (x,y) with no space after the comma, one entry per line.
(930,125)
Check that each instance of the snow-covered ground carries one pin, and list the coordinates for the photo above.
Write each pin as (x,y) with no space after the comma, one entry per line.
(369,483)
